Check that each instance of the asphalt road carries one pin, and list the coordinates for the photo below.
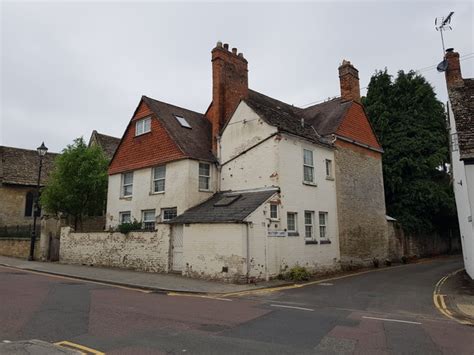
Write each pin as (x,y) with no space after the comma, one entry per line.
(388,311)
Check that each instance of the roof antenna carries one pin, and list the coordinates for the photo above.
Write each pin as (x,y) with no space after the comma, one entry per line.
(443,24)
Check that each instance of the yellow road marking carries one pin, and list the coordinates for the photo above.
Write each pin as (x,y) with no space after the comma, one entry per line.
(84,349)
(75,279)
(439,302)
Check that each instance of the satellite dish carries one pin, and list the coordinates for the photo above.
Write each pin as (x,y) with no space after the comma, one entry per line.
(442,66)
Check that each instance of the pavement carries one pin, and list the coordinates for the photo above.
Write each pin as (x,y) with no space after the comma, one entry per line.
(384,311)
(456,294)
(156,282)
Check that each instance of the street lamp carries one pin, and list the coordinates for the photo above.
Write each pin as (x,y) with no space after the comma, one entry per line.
(42,150)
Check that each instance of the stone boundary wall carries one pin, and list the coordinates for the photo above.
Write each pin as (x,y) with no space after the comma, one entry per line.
(143,251)
(18,247)
(419,245)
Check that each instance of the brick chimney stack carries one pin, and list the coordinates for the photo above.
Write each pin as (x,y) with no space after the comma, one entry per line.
(349,81)
(453,73)
(229,86)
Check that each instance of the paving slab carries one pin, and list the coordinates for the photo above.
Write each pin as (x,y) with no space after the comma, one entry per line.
(157,282)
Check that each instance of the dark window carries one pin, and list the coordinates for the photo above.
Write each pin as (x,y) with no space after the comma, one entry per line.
(29,204)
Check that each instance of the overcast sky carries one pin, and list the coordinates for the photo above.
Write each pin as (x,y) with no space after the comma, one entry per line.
(69,68)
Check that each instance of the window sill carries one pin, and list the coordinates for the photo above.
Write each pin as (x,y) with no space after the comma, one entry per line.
(274,219)
(157,193)
(293,234)
(326,241)
(141,134)
(310,241)
(127,198)
(204,190)
(309,183)
(330,178)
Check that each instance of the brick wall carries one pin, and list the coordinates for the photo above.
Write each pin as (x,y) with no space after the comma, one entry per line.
(361,205)
(144,251)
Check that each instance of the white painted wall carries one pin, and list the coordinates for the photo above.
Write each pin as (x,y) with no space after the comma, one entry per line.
(463,185)
(181,191)
(207,248)
(278,161)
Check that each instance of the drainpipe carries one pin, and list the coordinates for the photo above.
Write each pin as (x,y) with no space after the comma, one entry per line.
(247,226)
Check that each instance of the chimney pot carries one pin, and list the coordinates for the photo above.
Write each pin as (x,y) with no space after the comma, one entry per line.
(226,46)
(219,44)
(241,55)
(234,51)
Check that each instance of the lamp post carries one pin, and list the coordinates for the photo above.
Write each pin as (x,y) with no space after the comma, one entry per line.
(42,150)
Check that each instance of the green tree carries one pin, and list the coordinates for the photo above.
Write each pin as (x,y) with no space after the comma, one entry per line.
(77,186)
(411,126)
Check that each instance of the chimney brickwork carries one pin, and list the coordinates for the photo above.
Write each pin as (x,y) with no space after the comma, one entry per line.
(229,86)
(349,81)
(453,73)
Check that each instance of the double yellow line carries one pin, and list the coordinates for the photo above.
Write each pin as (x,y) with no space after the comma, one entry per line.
(440,303)
(83,349)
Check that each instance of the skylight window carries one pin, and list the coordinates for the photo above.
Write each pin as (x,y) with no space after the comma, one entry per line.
(182,121)
(226,201)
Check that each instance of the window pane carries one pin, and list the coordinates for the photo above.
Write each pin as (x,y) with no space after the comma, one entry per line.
(328,167)
(204,169)
(308,173)
(127,178)
(204,183)
(149,216)
(169,213)
(159,185)
(273,211)
(308,157)
(147,125)
(322,218)
(322,232)
(308,230)
(125,217)
(291,221)
(159,172)
(127,190)
(308,218)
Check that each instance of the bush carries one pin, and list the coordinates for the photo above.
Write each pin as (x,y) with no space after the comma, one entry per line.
(298,273)
(129,227)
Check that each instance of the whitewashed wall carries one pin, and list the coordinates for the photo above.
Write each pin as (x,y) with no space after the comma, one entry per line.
(207,248)
(181,191)
(144,251)
(279,162)
(463,176)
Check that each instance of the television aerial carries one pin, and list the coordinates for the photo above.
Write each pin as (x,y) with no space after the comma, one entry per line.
(443,24)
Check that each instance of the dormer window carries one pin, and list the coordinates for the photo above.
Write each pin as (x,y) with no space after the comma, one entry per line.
(143,126)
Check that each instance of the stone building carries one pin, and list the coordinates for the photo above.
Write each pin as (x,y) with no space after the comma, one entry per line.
(108,144)
(18,180)
(310,180)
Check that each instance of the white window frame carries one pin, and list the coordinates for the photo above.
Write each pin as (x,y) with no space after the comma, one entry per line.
(124,213)
(274,216)
(323,235)
(309,225)
(150,221)
(295,230)
(308,165)
(154,179)
(143,126)
(328,164)
(163,210)
(123,185)
(208,177)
